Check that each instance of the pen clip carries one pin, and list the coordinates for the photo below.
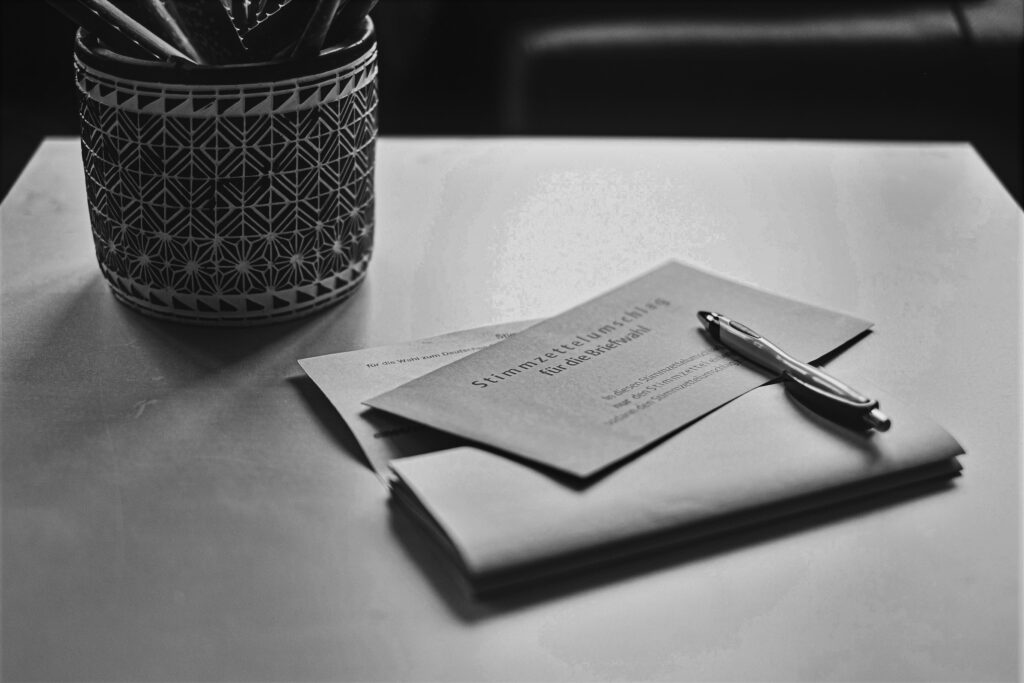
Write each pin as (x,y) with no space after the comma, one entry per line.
(839,409)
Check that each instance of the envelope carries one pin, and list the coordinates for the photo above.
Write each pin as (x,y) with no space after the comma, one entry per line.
(759,458)
(347,379)
(582,390)
(740,454)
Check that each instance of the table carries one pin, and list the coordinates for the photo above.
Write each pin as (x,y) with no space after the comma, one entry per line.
(180,503)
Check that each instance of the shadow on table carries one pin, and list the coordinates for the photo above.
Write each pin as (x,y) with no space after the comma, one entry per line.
(88,327)
(443,574)
(215,348)
(327,417)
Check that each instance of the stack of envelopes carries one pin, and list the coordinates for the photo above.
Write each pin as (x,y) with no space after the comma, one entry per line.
(616,427)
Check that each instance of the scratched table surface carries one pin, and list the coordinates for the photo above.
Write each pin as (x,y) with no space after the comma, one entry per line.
(180,503)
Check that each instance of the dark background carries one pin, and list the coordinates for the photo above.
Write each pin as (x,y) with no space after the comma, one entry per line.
(885,70)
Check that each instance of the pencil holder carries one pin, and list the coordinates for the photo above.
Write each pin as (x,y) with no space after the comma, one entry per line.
(230,195)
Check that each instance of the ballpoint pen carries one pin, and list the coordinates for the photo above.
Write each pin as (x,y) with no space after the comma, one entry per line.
(808,383)
(102,29)
(117,28)
(164,24)
(319,22)
(348,20)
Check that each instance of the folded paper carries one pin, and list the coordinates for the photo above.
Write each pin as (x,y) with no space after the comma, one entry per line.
(349,378)
(505,521)
(760,457)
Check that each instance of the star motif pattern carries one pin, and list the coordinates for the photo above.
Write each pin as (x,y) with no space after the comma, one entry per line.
(231,205)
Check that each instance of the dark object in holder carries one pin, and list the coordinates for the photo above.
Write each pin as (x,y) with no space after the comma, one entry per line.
(317,26)
(268,28)
(156,16)
(118,30)
(347,22)
(219,32)
(210,30)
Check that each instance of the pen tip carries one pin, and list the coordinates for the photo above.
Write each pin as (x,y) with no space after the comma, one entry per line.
(705,318)
(878,420)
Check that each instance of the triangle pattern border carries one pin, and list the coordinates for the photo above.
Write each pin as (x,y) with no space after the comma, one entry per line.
(241,309)
(194,101)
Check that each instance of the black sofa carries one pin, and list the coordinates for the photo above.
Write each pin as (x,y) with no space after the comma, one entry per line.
(756,68)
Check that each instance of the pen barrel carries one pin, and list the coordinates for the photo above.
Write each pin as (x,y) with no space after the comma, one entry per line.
(812,385)
(132,30)
(826,383)
(757,350)
(766,354)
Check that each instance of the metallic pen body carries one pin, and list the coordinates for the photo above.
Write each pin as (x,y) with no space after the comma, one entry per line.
(814,382)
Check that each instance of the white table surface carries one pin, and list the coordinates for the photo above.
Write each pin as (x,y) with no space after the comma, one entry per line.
(181,504)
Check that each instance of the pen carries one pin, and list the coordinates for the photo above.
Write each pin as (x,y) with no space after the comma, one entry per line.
(312,38)
(351,16)
(94,24)
(168,28)
(348,20)
(121,23)
(209,28)
(838,400)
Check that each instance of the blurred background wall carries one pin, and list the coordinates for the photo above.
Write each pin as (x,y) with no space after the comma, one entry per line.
(874,69)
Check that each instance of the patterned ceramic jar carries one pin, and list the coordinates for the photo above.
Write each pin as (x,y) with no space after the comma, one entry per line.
(230,195)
